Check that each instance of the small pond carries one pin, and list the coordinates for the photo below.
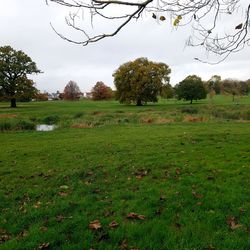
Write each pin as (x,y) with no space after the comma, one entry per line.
(45,127)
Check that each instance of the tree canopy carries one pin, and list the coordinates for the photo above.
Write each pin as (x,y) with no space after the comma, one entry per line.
(191,88)
(211,21)
(71,91)
(140,81)
(14,68)
(101,92)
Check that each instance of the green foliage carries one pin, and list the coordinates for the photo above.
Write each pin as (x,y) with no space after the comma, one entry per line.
(51,119)
(140,81)
(191,88)
(13,124)
(14,68)
(189,110)
(167,91)
(78,114)
(101,92)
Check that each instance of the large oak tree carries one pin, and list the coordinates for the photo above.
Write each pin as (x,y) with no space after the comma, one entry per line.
(14,68)
(191,88)
(140,81)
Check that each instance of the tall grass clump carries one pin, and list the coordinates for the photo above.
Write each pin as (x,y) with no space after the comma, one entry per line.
(189,110)
(51,119)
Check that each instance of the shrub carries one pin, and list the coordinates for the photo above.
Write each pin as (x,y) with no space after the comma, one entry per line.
(78,115)
(5,125)
(25,125)
(52,119)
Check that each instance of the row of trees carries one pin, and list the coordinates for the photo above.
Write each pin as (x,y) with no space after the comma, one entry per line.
(139,81)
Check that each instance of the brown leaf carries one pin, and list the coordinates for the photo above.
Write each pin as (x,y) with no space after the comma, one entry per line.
(23,234)
(196,195)
(43,229)
(95,225)
(123,245)
(60,218)
(62,193)
(113,224)
(44,246)
(242,210)
(178,171)
(231,221)
(37,205)
(136,216)
(162,18)
(108,213)
(4,236)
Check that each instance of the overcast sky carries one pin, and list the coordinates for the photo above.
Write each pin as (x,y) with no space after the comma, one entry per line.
(25,25)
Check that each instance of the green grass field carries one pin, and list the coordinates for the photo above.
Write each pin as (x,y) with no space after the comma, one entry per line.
(183,170)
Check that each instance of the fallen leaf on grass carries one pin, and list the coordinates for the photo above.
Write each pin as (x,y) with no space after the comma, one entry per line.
(43,229)
(141,173)
(135,216)
(37,205)
(113,224)
(242,210)
(108,213)
(123,245)
(231,221)
(178,171)
(22,234)
(210,247)
(95,225)
(62,193)
(196,195)
(44,246)
(4,235)
(60,218)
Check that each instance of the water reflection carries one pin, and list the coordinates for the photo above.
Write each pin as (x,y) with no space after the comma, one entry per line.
(45,127)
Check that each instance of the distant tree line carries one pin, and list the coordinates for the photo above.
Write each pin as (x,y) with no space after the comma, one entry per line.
(139,81)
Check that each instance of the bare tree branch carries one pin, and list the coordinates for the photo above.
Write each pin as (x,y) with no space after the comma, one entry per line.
(208,19)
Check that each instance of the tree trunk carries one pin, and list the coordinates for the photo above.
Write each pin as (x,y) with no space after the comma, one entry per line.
(191,101)
(138,102)
(13,103)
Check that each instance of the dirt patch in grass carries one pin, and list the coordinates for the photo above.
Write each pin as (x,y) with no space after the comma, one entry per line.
(8,115)
(190,118)
(147,120)
(163,121)
(82,125)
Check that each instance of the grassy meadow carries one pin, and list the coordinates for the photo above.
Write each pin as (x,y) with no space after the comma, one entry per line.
(168,176)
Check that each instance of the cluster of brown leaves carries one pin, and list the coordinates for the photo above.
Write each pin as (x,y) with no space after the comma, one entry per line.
(196,195)
(124,246)
(139,174)
(232,223)
(135,216)
(44,245)
(4,236)
(96,225)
